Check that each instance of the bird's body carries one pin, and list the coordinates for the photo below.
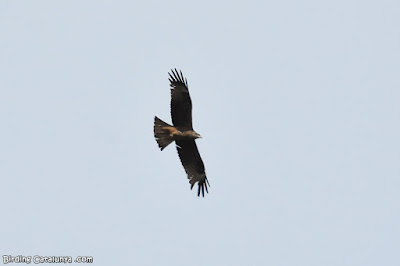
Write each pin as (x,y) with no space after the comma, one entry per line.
(182,132)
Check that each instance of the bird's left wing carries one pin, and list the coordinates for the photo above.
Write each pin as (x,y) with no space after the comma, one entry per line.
(193,164)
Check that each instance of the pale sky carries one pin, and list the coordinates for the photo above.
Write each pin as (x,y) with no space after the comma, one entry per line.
(298,104)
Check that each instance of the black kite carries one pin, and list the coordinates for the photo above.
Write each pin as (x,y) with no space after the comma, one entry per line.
(182,132)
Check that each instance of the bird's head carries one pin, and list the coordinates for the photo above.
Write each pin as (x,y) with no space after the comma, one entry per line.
(196,135)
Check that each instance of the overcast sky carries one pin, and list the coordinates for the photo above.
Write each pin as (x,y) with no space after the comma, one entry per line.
(298,104)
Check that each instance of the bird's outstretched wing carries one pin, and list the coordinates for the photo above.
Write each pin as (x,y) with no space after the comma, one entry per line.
(193,164)
(181,105)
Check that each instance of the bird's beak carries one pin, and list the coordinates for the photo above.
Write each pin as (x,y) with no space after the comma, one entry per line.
(198,135)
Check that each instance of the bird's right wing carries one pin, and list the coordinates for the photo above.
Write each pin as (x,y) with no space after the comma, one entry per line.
(181,104)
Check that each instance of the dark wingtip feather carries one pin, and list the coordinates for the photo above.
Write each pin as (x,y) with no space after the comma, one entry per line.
(171,79)
(177,76)
(182,78)
(202,187)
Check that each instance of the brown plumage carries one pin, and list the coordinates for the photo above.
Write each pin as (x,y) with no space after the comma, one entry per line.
(182,132)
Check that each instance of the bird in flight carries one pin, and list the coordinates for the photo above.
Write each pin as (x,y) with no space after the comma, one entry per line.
(182,132)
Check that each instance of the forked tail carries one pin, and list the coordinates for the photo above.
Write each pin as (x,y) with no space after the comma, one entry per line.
(162,136)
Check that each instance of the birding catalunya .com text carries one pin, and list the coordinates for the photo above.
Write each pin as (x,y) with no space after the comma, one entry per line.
(37,259)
